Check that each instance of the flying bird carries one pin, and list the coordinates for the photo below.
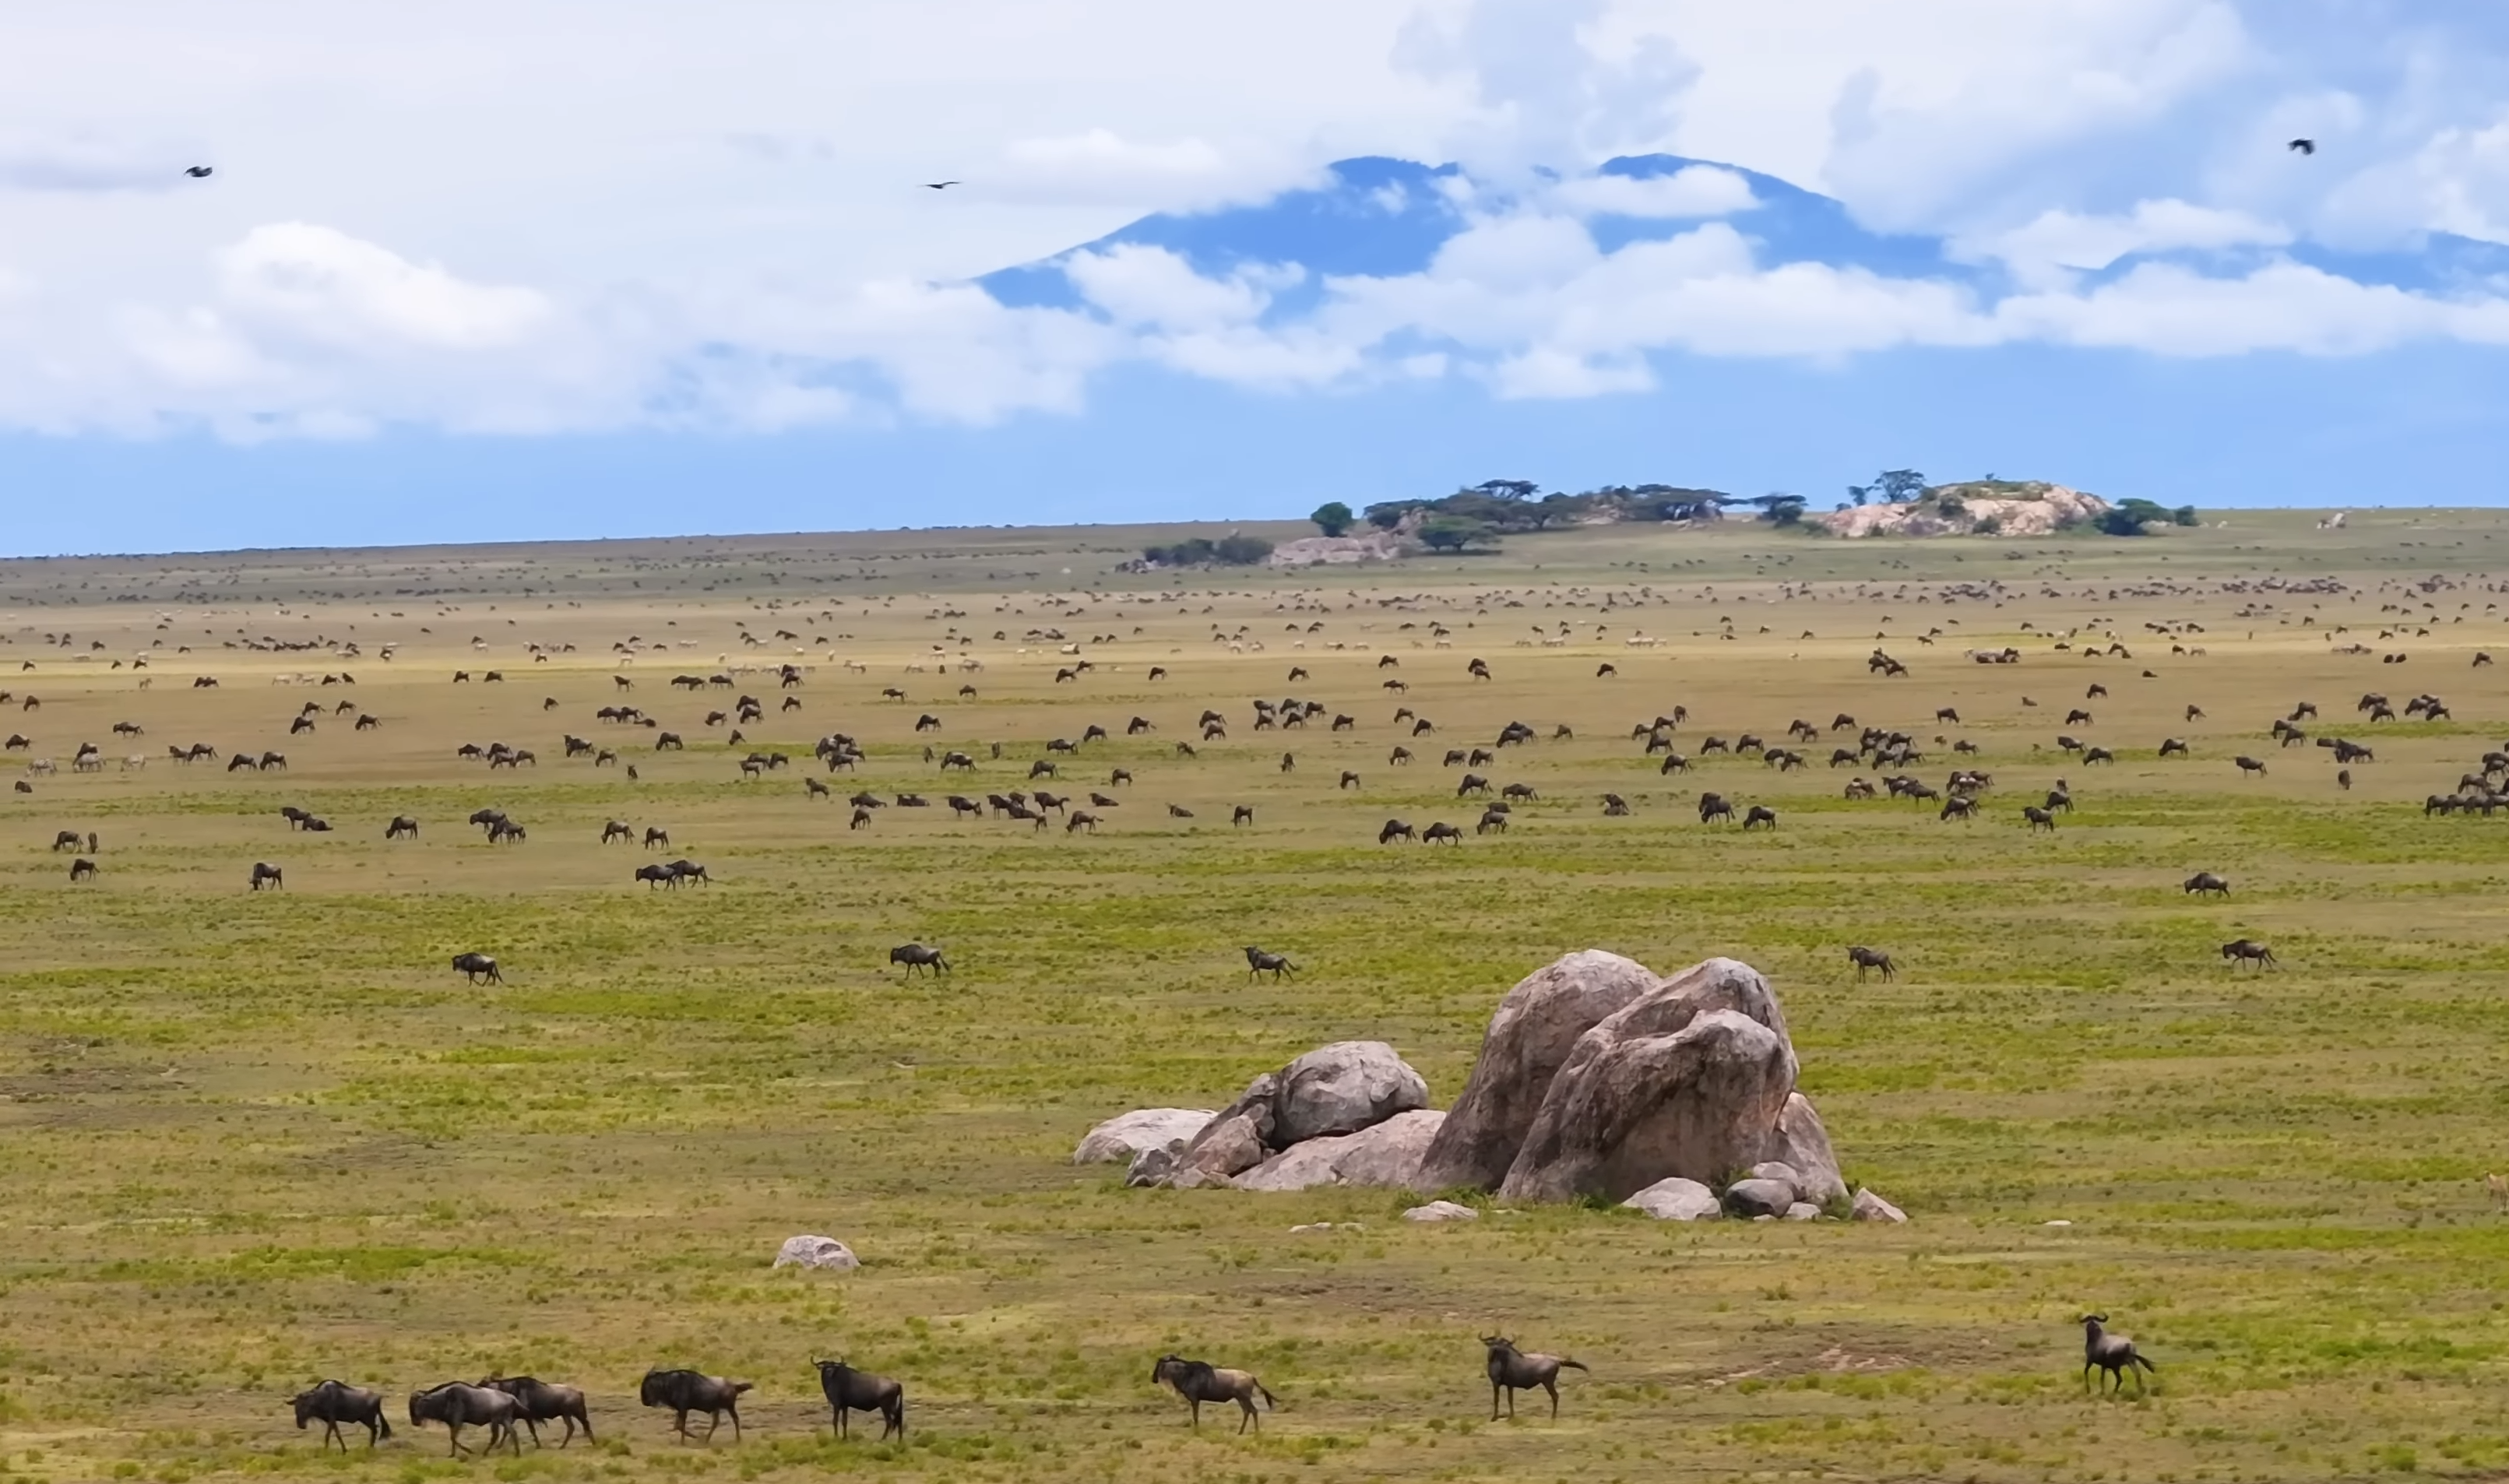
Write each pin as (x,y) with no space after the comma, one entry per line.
(2304,146)
(938,185)
(198,171)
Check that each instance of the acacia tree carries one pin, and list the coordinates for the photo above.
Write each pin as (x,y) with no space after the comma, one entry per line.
(1332,518)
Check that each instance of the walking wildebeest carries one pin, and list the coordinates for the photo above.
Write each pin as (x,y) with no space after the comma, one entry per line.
(1872,958)
(263,870)
(401,825)
(2039,818)
(2205,883)
(657,875)
(334,1402)
(1713,806)
(916,956)
(1758,815)
(479,967)
(657,839)
(1199,1381)
(1441,831)
(457,1405)
(1511,1370)
(684,1392)
(1260,962)
(543,1401)
(2248,951)
(1395,830)
(2113,1355)
(851,1391)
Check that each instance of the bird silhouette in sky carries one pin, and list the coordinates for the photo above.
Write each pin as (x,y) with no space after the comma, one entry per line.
(198,171)
(2304,146)
(938,185)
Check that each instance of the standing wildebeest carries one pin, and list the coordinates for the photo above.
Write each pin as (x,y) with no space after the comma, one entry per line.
(1511,1370)
(618,829)
(2248,951)
(482,969)
(1713,806)
(1441,831)
(2113,1354)
(2039,818)
(543,1402)
(2248,764)
(1872,958)
(851,1391)
(657,875)
(1199,1381)
(457,1405)
(401,825)
(263,870)
(1275,964)
(684,1392)
(916,956)
(1396,830)
(334,1402)
(1243,814)
(1492,818)
(66,839)
(2203,883)
(1759,814)
(657,839)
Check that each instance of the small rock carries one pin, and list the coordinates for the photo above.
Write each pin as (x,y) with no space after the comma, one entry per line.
(817,1252)
(1674,1199)
(1442,1211)
(2060,1223)
(1126,1135)
(1872,1207)
(1779,1170)
(1803,1210)
(1759,1198)
(1305,1227)
(1192,1177)
(1153,1165)
(1231,1149)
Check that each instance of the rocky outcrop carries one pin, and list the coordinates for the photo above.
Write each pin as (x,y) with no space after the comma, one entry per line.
(1529,1038)
(1800,1144)
(1126,1135)
(1386,1156)
(1689,1079)
(1339,550)
(1985,507)
(1344,1088)
(817,1252)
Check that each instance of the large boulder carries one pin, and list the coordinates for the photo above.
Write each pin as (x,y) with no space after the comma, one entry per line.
(815,1251)
(1674,1199)
(1688,1079)
(1342,1088)
(1126,1135)
(1233,1148)
(1386,1156)
(1529,1038)
(1760,1198)
(1802,1144)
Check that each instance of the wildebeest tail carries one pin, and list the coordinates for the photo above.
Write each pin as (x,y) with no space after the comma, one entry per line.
(1576,1366)
(384,1422)
(2137,1359)
(1269,1404)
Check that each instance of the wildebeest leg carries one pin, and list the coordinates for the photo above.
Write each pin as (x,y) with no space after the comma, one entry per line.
(1552,1387)
(714,1419)
(1248,1403)
(735,1421)
(839,1408)
(332,1434)
(1196,1403)
(454,1431)
(534,1424)
(1494,1390)
(684,1422)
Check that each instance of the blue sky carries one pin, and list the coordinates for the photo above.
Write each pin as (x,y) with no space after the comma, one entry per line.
(492,283)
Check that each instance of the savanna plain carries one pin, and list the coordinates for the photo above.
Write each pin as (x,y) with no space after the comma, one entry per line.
(252,1139)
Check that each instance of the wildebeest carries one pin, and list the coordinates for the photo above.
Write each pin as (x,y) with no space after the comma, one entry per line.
(618,829)
(1615,807)
(1396,830)
(1441,831)
(2248,764)
(851,1391)
(457,1405)
(2039,818)
(2248,951)
(1199,1381)
(657,875)
(1759,815)
(1260,962)
(66,839)
(1511,1370)
(1872,958)
(1492,818)
(542,1401)
(479,967)
(2173,747)
(82,869)
(1243,814)
(1713,806)
(683,1392)
(657,839)
(2113,1355)
(2205,883)
(263,870)
(334,1402)
(400,825)
(916,956)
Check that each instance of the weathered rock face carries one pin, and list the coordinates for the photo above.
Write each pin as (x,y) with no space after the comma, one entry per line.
(817,1252)
(1800,1143)
(1689,1079)
(1674,1199)
(1386,1156)
(1759,1198)
(1442,1211)
(1872,1207)
(1232,1148)
(1128,1134)
(1529,1038)
(1343,1088)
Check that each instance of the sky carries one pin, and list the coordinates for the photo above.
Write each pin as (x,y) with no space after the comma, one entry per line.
(548,268)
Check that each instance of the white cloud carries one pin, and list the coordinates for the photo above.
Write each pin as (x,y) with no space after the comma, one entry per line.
(1695,190)
(326,285)
(1142,285)
(2040,250)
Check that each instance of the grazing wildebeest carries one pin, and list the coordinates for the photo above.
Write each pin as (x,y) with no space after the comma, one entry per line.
(668,740)
(66,839)
(1474,783)
(2113,1355)
(851,1391)
(916,956)
(271,761)
(479,967)
(1349,780)
(2173,747)
(1441,831)
(1199,1381)
(1396,830)
(244,760)
(2039,818)
(263,870)
(684,1392)
(2205,883)
(1511,1370)
(1179,811)
(1080,819)
(2248,951)
(618,829)
(1713,806)
(2248,764)
(1872,958)
(457,1405)
(334,1402)
(400,825)
(1759,814)
(1243,814)
(1615,807)
(1260,962)
(81,869)
(1492,818)
(544,1401)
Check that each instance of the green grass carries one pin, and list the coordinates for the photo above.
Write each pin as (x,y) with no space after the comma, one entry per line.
(253,1139)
